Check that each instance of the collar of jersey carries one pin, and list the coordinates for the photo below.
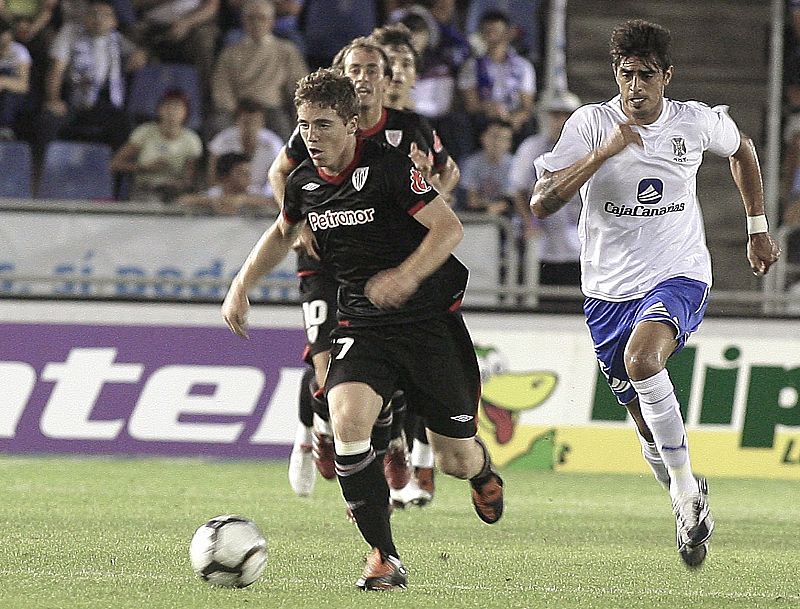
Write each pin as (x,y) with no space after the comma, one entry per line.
(342,175)
(377,126)
(616,103)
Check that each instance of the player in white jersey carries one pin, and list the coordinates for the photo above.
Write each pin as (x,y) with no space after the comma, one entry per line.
(645,267)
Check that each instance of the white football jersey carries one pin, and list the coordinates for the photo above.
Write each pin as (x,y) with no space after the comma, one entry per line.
(641,222)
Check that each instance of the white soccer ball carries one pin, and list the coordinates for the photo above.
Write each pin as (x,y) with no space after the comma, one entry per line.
(228,551)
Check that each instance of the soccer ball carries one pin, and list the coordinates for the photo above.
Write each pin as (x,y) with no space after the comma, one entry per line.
(228,551)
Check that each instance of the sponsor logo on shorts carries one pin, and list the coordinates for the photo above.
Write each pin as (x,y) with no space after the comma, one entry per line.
(462,418)
(335,218)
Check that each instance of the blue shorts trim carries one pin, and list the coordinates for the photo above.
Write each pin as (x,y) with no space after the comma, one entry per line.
(678,302)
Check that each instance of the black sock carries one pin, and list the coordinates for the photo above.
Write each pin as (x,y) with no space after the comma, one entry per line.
(399,414)
(381,431)
(305,410)
(367,494)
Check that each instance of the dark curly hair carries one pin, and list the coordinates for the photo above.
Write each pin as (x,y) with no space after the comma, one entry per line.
(328,88)
(647,41)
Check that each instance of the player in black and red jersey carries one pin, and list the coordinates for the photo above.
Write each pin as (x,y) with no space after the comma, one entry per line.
(388,237)
(367,65)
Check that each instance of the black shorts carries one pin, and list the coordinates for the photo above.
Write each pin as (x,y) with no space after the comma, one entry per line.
(318,291)
(432,361)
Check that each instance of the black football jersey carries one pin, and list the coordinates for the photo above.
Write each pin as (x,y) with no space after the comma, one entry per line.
(396,127)
(363,221)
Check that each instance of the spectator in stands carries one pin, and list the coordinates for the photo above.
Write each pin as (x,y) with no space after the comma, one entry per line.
(249,137)
(33,23)
(260,67)
(484,176)
(791,56)
(329,25)
(525,18)
(286,22)
(501,83)
(180,31)
(557,235)
(162,156)
(234,194)
(15,70)
(442,50)
(85,86)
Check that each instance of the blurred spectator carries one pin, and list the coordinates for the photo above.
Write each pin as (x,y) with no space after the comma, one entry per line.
(162,156)
(235,192)
(260,67)
(329,25)
(15,70)
(87,69)
(556,236)
(180,31)
(501,83)
(790,188)
(791,56)
(526,21)
(249,137)
(484,174)
(286,22)
(442,50)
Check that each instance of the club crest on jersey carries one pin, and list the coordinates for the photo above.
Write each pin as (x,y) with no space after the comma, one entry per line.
(394,136)
(310,186)
(650,191)
(679,149)
(418,184)
(360,177)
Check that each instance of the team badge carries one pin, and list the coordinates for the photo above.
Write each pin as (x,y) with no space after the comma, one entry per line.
(678,148)
(360,177)
(418,184)
(394,136)
(310,186)
(650,191)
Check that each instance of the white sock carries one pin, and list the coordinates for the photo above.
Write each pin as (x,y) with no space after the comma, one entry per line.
(302,435)
(653,458)
(322,426)
(662,414)
(421,455)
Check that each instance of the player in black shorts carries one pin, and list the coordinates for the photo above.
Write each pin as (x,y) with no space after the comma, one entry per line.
(389,237)
(367,65)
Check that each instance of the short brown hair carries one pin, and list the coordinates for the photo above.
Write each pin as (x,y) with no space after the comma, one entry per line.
(395,35)
(644,40)
(328,88)
(365,44)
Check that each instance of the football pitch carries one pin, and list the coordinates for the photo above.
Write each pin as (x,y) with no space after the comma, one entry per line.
(94,533)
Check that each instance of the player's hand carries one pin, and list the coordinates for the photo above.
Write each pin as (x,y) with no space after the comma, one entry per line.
(422,160)
(306,242)
(620,138)
(235,308)
(389,289)
(762,252)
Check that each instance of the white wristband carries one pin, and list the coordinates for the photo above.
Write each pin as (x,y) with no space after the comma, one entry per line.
(757,224)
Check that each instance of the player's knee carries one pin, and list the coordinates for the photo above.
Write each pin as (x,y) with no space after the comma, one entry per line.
(642,362)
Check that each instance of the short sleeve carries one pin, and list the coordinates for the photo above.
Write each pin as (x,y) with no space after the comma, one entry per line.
(724,137)
(141,135)
(574,144)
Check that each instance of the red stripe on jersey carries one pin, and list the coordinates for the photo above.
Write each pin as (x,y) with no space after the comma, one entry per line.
(455,306)
(342,175)
(320,393)
(306,354)
(344,323)
(287,218)
(306,273)
(416,208)
(377,126)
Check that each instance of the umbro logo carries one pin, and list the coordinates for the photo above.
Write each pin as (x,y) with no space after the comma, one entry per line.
(462,418)
(310,186)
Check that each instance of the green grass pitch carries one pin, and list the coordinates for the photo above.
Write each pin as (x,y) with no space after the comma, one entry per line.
(94,533)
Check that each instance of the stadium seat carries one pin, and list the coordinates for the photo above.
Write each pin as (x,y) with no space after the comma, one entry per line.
(76,170)
(153,80)
(15,159)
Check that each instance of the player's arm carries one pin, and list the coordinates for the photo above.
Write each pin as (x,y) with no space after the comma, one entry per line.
(270,250)
(392,287)
(762,251)
(278,172)
(554,190)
